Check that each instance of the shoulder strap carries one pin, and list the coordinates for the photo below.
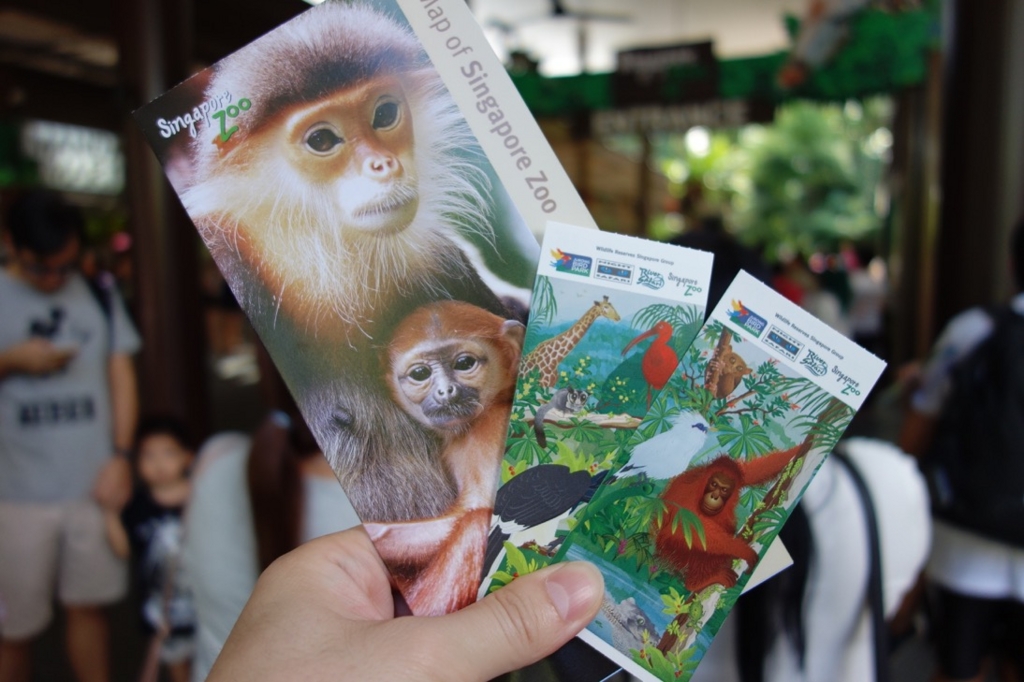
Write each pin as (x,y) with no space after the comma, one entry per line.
(875,597)
(1003,316)
(101,287)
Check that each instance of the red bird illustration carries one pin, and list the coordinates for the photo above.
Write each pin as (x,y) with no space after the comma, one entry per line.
(659,359)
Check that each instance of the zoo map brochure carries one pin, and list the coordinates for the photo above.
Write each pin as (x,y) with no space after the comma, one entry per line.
(610,316)
(245,142)
(763,395)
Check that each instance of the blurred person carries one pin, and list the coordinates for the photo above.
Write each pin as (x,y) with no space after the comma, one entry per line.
(826,306)
(225,321)
(814,621)
(792,278)
(867,308)
(978,581)
(710,234)
(325,612)
(795,280)
(253,499)
(835,278)
(150,531)
(68,408)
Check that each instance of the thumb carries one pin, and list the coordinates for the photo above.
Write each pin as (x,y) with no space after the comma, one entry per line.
(523,621)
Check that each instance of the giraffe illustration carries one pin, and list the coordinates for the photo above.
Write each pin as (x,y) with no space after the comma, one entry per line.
(549,354)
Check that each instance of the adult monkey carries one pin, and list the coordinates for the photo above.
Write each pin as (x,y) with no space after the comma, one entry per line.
(333,210)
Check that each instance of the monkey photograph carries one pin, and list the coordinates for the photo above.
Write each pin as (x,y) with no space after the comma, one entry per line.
(342,205)
(452,367)
(339,188)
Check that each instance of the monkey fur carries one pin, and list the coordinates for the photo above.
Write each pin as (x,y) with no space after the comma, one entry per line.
(452,367)
(338,206)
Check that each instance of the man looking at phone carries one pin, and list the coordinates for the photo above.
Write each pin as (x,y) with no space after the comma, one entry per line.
(68,409)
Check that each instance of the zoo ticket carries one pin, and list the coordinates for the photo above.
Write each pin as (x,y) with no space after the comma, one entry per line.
(757,401)
(610,317)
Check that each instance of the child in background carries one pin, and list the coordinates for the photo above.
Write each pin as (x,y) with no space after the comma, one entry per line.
(150,530)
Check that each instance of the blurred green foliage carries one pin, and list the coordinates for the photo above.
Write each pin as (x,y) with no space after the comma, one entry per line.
(804,183)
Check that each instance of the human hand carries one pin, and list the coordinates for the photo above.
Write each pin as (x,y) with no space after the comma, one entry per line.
(113,485)
(325,612)
(36,356)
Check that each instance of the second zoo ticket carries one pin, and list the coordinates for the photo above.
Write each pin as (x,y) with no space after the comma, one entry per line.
(710,475)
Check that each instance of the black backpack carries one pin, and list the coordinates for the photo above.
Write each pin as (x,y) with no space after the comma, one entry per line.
(975,466)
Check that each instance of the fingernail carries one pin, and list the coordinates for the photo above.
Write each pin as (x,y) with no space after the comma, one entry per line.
(574,588)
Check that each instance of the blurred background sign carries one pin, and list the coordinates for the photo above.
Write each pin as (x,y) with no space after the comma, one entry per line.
(665,75)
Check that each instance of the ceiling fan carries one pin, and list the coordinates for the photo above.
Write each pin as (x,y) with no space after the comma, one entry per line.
(558,10)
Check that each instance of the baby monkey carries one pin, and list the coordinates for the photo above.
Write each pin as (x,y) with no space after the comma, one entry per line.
(452,367)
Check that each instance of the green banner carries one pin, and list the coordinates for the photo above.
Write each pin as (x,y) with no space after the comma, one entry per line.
(883,52)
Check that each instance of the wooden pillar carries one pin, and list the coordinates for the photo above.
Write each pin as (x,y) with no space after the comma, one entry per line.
(582,138)
(958,173)
(915,182)
(982,148)
(154,38)
(643,185)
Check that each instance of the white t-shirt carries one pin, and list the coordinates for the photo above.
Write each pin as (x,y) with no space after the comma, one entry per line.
(836,615)
(961,560)
(220,561)
(56,430)
(868,306)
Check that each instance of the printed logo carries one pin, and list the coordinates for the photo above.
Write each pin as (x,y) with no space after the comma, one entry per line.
(571,263)
(221,104)
(747,319)
(650,279)
(850,385)
(614,272)
(782,342)
(689,284)
(48,328)
(53,412)
(815,364)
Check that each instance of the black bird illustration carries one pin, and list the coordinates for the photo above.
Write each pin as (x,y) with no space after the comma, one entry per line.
(539,494)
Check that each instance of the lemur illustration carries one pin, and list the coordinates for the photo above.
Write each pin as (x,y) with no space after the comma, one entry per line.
(568,399)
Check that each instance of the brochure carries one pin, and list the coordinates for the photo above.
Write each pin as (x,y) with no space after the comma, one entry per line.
(726,450)
(369,182)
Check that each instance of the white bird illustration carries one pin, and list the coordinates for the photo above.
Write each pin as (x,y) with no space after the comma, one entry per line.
(668,454)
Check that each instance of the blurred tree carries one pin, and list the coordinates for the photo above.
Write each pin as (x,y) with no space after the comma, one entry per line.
(814,178)
(808,181)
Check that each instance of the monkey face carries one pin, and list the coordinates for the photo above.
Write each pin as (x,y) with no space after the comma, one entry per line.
(357,146)
(717,493)
(446,385)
